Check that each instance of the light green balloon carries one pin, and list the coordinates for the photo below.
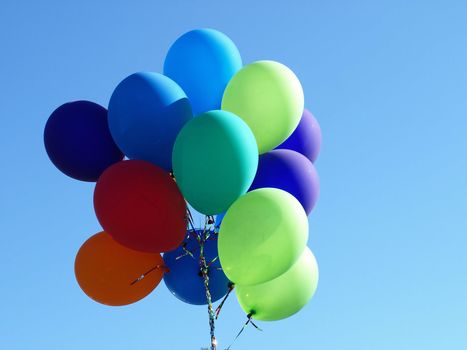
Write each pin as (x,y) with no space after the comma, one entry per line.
(261,236)
(283,296)
(214,160)
(269,98)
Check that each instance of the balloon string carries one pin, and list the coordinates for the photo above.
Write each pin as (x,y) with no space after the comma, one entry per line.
(202,237)
(219,308)
(204,271)
(256,326)
(209,220)
(190,219)
(162,267)
(213,261)
(185,252)
(248,321)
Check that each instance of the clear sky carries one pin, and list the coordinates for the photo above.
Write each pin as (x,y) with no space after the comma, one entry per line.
(386,79)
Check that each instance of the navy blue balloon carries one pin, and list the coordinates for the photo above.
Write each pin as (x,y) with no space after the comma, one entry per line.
(78,141)
(184,279)
(146,112)
(202,62)
(289,171)
(306,138)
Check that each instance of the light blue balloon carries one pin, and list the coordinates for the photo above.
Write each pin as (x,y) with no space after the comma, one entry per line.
(146,112)
(202,62)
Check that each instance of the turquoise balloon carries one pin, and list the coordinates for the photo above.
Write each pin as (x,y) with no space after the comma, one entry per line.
(214,159)
(202,62)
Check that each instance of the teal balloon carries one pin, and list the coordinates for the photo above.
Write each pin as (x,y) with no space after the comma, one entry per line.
(214,159)
(202,62)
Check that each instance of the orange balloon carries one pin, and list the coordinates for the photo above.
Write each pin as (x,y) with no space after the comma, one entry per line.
(114,275)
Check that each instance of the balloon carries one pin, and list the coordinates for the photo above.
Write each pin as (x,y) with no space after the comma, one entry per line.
(202,62)
(263,233)
(269,98)
(290,171)
(78,141)
(185,280)
(146,112)
(306,138)
(108,272)
(214,161)
(219,218)
(283,296)
(140,206)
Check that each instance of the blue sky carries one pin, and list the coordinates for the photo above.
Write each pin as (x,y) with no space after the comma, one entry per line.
(388,82)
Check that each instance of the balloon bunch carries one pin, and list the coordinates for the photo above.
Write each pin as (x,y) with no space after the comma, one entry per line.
(233,141)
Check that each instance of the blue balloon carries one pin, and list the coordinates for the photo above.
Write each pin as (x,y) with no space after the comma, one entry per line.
(219,218)
(289,171)
(202,62)
(146,112)
(78,141)
(184,279)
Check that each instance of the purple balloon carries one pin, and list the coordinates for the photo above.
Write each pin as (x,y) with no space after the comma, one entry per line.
(306,138)
(289,171)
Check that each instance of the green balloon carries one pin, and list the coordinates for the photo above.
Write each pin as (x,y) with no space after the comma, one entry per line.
(269,98)
(214,160)
(283,296)
(261,236)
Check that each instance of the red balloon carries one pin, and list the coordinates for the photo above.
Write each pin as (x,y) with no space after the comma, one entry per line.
(140,206)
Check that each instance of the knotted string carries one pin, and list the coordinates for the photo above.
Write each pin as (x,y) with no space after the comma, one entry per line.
(248,321)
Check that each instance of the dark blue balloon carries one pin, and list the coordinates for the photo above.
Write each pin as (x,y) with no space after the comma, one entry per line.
(289,171)
(306,138)
(146,112)
(78,141)
(202,62)
(184,279)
